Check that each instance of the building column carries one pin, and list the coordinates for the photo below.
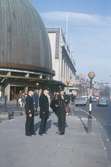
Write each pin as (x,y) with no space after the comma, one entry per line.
(63,77)
(7,92)
(65,72)
(68,73)
(60,65)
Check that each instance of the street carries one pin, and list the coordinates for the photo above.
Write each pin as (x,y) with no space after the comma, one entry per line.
(103,115)
(83,134)
(55,83)
(80,146)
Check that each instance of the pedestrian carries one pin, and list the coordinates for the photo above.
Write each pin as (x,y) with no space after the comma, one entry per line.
(49,98)
(58,106)
(36,100)
(67,101)
(44,111)
(21,103)
(29,109)
(72,97)
(55,104)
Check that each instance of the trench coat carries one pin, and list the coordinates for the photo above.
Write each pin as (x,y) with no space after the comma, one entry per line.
(44,106)
(44,113)
(29,110)
(58,106)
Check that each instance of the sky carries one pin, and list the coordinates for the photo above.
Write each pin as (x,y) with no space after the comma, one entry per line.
(87,27)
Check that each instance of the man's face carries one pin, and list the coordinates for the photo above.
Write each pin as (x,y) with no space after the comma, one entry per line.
(45,91)
(30,93)
(62,93)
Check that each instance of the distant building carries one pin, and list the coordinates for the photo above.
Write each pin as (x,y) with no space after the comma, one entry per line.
(62,62)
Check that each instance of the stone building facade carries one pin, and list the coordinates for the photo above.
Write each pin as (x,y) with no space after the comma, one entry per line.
(62,62)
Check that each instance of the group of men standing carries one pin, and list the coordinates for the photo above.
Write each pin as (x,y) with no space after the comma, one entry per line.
(57,104)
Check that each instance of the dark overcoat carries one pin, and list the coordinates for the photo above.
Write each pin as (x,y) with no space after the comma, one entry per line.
(44,106)
(29,109)
(55,105)
(36,100)
(58,106)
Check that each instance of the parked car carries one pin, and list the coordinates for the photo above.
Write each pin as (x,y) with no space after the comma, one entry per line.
(103,101)
(94,99)
(80,101)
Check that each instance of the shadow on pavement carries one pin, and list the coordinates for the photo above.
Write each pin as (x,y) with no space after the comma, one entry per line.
(36,126)
(87,126)
(49,124)
(56,124)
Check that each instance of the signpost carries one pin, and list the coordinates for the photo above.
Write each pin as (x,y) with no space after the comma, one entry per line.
(91,76)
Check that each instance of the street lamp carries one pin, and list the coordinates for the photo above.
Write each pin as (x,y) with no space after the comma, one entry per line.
(91,76)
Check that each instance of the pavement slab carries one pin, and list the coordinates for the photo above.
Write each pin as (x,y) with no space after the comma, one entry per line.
(81,146)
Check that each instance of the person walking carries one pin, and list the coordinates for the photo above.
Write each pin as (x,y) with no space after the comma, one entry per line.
(29,110)
(58,106)
(44,111)
(67,101)
(21,103)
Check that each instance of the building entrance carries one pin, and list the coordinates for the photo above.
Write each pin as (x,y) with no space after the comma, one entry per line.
(14,91)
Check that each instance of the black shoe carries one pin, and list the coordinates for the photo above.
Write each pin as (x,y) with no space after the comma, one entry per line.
(61,133)
(28,134)
(34,133)
(40,134)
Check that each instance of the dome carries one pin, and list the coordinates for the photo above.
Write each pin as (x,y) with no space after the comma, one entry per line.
(24,42)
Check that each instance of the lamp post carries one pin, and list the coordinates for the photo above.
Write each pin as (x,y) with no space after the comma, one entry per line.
(91,76)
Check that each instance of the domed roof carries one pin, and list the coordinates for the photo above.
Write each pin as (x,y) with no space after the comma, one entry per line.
(24,42)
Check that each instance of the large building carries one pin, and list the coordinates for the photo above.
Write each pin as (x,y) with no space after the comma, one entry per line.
(25,56)
(62,62)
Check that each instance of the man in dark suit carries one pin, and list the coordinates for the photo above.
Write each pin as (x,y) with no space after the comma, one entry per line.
(58,106)
(44,111)
(36,100)
(29,109)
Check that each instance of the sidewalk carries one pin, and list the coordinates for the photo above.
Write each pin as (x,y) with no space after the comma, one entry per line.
(79,147)
(9,108)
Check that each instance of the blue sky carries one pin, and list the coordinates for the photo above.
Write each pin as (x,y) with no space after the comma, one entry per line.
(87,26)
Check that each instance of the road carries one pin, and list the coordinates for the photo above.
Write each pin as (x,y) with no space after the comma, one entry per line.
(103,115)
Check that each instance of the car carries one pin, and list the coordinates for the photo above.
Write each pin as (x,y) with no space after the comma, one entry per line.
(80,101)
(103,101)
(94,99)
